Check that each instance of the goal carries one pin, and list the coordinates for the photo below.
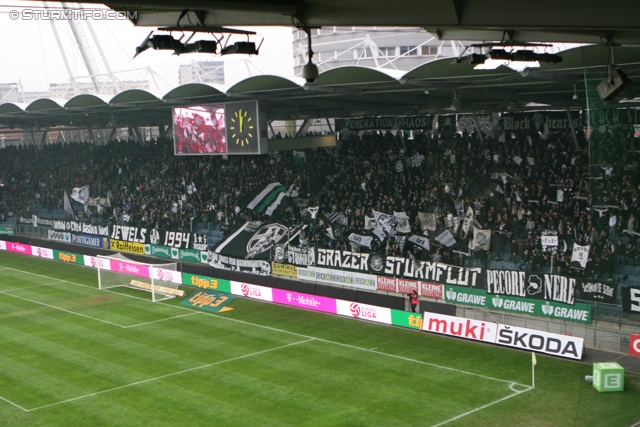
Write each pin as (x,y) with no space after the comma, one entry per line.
(161,280)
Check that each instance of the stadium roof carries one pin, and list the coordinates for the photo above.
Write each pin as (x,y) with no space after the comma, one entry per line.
(577,21)
(350,92)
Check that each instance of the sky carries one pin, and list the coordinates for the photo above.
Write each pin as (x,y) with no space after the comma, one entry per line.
(31,54)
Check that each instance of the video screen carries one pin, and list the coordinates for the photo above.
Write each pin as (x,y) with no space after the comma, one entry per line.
(199,130)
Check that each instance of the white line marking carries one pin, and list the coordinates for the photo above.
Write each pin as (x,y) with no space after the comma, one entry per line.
(161,320)
(37,286)
(62,309)
(481,408)
(169,375)
(13,404)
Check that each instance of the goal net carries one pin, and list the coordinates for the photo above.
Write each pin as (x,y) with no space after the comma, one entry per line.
(161,280)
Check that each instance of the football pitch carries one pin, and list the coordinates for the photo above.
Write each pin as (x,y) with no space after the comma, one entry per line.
(73,355)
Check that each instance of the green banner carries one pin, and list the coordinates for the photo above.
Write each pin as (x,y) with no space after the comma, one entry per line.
(188,255)
(204,257)
(206,282)
(575,313)
(167,252)
(158,251)
(209,300)
(7,229)
(406,319)
(68,257)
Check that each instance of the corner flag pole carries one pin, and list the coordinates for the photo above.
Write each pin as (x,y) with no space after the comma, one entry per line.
(533,369)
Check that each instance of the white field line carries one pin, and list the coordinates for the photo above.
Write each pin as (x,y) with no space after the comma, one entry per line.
(481,407)
(36,286)
(63,309)
(13,404)
(168,375)
(162,320)
(302,335)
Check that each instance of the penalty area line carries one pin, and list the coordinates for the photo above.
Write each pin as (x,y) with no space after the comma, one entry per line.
(165,376)
(482,407)
(13,404)
(161,320)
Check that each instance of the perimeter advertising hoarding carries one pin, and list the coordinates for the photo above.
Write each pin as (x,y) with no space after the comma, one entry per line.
(19,248)
(42,252)
(3,245)
(229,128)
(59,236)
(248,290)
(576,313)
(205,282)
(95,262)
(68,257)
(510,336)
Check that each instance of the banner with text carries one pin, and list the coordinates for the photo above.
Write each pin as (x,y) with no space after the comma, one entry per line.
(336,277)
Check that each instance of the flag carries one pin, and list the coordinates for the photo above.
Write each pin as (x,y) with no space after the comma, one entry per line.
(310,214)
(481,239)
(446,238)
(559,195)
(534,362)
(468,219)
(67,205)
(339,218)
(421,241)
(427,221)
(299,156)
(360,239)
(403,222)
(81,194)
(87,211)
(338,234)
(580,256)
(268,199)
(191,188)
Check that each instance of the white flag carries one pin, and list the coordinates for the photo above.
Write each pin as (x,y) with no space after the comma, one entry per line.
(81,194)
(580,256)
(67,205)
(481,239)
(446,238)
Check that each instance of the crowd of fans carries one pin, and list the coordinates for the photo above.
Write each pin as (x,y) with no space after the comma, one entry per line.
(521,185)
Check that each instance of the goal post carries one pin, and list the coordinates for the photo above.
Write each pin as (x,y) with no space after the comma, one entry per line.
(161,280)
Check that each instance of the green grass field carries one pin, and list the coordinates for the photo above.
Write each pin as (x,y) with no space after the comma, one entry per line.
(73,355)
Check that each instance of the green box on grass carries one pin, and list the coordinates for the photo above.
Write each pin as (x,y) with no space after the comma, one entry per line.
(608,376)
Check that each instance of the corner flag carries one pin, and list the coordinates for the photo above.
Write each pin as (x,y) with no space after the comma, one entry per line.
(533,372)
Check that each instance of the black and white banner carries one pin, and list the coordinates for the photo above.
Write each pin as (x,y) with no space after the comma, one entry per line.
(126,233)
(260,267)
(81,227)
(294,255)
(631,300)
(347,260)
(595,290)
(200,242)
(550,287)
(173,239)
(255,240)
(360,239)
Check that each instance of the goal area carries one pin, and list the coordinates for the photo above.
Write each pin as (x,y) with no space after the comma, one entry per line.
(161,280)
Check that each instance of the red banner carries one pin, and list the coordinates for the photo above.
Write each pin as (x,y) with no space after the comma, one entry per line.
(634,345)
(431,290)
(386,284)
(406,286)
